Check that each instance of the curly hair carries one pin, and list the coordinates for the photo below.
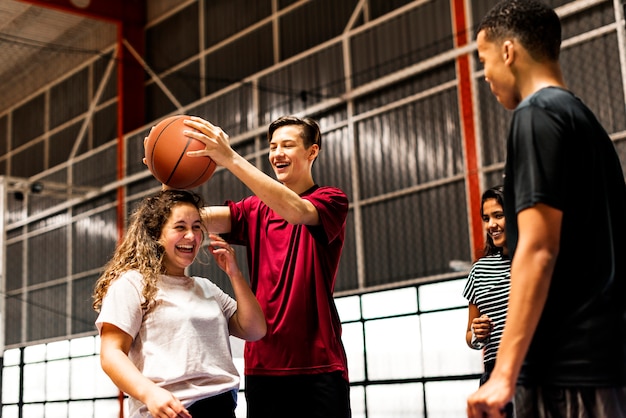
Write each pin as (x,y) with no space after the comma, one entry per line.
(140,249)
(535,25)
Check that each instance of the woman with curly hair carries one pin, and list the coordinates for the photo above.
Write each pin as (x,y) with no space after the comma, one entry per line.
(165,335)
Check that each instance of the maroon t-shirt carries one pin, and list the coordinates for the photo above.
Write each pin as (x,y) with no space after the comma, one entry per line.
(292,273)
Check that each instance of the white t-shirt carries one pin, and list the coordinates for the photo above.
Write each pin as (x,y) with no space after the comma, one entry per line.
(183,344)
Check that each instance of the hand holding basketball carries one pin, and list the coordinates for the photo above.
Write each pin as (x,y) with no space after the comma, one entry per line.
(166,149)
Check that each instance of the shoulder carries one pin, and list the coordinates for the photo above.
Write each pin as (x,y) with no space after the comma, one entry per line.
(491,261)
(549,100)
(327,193)
(130,278)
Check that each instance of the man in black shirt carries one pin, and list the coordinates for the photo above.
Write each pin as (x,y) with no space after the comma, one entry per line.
(563,351)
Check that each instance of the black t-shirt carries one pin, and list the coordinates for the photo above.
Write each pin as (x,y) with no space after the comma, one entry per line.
(559,155)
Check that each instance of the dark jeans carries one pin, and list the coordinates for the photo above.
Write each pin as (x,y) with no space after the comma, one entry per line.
(325,395)
(220,406)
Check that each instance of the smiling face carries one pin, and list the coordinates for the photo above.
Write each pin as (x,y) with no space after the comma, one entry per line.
(494,223)
(497,58)
(289,158)
(181,238)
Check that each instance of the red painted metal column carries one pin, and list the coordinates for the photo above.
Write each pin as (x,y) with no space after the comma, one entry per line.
(468,126)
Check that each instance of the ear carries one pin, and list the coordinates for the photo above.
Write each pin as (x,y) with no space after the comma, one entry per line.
(508,52)
(314,151)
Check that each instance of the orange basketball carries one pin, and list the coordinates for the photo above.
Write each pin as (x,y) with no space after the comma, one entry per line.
(166,155)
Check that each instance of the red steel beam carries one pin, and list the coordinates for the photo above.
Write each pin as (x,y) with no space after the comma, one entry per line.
(464,76)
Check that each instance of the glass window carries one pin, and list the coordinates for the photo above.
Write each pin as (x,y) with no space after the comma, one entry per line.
(352,337)
(35,353)
(390,302)
(448,399)
(442,295)
(33,410)
(107,408)
(82,382)
(445,350)
(11,384)
(58,350)
(34,385)
(56,410)
(349,308)
(357,401)
(393,348)
(82,346)
(83,409)
(12,357)
(10,411)
(57,380)
(400,400)
(240,410)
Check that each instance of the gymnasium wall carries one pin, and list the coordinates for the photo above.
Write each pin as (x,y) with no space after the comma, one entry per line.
(382,82)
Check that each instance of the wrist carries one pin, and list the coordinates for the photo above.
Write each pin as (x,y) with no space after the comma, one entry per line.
(476,343)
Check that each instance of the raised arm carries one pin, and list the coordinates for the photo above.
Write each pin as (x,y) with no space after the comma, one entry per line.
(284,201)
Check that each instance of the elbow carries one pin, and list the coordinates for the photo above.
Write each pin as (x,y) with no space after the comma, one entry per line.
(105,363)
(258,332)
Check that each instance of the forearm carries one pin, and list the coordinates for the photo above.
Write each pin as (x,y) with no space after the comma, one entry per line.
(531,273)
(285,202)
(249,318)
(216,219)
(125,375)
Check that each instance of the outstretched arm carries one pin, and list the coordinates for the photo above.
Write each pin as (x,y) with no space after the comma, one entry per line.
(248,322)
(284,201)
(115,345)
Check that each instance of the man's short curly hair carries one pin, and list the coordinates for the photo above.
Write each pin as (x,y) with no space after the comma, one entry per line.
(535,25)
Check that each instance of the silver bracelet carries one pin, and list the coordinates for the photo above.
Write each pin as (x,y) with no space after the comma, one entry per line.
(477,345)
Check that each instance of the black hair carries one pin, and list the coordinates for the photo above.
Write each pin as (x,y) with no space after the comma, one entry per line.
(496,192)
(535,25)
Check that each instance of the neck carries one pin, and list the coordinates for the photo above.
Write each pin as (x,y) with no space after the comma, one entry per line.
(301,186)
(540,76)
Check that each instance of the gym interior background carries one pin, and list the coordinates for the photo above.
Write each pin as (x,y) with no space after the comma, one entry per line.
(411,133)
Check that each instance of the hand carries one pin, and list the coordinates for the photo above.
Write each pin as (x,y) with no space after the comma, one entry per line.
(162,404)
(217,145)
(145,140)
(223,254)
(482,327)
(490,399)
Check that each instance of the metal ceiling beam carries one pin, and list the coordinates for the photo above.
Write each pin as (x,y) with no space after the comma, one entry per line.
(130,17)
(125,11)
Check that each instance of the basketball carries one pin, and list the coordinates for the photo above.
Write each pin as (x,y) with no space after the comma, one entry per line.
(166,155)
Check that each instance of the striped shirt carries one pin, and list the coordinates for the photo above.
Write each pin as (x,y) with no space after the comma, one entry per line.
(487,287)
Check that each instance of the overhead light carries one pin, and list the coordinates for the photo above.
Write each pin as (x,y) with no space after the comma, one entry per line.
(36,187)
(81,4)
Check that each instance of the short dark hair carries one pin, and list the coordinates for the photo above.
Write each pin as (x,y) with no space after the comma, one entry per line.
(310,129)
(535,25)
(496,192)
